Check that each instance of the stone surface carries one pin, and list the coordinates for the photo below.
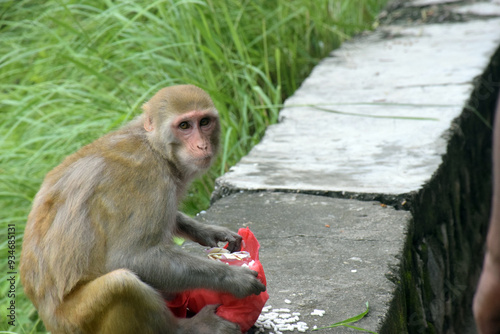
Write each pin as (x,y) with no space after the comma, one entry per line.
(320,253)
(400,115)
(423,3)
(481,8)
(392,97)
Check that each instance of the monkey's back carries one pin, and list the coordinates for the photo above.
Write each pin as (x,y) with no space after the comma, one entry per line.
(63,241)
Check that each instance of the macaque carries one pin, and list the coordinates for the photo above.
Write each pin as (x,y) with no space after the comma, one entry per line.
(98,255)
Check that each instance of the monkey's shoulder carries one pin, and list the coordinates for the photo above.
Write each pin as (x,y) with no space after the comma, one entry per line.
(120,151)
(124,148)
(127,146)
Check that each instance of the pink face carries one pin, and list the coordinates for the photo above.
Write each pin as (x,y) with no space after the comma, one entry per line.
(195,130)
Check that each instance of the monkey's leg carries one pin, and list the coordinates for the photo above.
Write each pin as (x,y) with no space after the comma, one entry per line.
(118,302)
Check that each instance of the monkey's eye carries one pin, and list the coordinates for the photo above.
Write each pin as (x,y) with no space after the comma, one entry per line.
(184,125)
(204,121)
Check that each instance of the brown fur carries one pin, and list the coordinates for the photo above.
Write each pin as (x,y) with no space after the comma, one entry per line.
(97,247)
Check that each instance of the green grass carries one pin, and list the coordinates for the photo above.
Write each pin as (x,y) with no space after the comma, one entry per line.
(72,70)
(347,323)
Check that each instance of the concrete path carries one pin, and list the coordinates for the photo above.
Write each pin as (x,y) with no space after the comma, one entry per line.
(320,253)
(372,123)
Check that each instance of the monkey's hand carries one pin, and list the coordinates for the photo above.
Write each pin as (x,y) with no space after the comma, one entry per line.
(216,234)
(242,282)
(207,235)
(207,322)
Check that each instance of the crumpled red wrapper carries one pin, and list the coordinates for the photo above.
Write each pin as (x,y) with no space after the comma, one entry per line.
(243,311)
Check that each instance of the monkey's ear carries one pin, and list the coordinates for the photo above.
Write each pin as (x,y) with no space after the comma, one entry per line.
(148,122)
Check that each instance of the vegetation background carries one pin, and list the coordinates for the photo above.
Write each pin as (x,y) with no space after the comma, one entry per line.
(72,70)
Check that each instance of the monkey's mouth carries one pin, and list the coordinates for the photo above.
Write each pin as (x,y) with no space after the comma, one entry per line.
(204,162)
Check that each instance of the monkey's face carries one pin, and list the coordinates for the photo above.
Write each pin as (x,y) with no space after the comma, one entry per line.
(197,132)
(183,125)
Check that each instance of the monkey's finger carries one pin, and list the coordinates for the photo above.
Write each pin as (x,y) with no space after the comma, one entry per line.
(234,247)
(260,287)
(234,244)
(209,308)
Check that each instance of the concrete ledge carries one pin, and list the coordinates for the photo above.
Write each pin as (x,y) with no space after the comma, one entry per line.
(399,116)
(391,96)
(321,253)
(450,215)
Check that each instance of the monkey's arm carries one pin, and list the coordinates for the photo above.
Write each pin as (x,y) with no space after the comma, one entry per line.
(171,270)
(207,235)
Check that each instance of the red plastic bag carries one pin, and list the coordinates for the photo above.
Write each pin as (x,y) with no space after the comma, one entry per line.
(244,311)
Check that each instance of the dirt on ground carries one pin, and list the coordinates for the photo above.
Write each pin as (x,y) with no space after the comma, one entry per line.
(403,12)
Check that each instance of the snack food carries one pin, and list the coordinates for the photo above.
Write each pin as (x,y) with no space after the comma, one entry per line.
(244,311)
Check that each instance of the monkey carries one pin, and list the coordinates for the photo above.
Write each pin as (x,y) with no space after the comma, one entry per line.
(98,254)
